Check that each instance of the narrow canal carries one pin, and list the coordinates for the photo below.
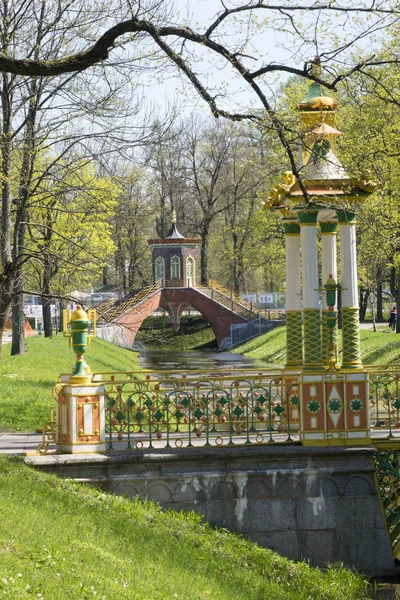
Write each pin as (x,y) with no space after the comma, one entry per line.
(170,360)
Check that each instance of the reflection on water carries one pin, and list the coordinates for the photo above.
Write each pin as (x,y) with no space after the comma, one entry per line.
(170,360)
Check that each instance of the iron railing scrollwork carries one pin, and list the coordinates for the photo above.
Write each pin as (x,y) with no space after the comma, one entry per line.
(387,464)
(177,410)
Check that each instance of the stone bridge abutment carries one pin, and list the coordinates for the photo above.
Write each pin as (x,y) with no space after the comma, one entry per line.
(315,503)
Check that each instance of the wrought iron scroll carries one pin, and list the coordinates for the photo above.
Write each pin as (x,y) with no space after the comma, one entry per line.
(176,410)
(387,463)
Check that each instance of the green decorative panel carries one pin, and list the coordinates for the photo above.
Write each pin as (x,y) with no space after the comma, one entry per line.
(312,338)
(294,337)
(308,217)
(351,339)
(345,216)
(291,227)
(328,226)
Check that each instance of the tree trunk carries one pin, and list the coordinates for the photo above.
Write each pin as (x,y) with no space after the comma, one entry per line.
(7,275)
(6,287)
(398,301)
(364,295)
(379,294)
(395,292)
(18,316)
(47,321)
(204,258)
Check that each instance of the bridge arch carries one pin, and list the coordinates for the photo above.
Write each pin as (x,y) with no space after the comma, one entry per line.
(175,300)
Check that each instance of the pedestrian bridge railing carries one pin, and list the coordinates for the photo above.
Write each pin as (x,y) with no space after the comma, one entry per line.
(198,409)
(164,409)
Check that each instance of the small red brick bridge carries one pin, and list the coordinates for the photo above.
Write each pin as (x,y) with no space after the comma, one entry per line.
(121,320)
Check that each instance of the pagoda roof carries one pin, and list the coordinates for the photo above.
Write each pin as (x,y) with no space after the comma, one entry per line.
(327,167)
(314,91)
(317,99)
(325,129)
(173,233)
(173,236)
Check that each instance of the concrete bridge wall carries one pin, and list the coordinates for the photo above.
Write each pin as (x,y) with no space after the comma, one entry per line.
(320,504)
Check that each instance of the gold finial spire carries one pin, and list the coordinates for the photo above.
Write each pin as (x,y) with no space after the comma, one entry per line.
(173,219)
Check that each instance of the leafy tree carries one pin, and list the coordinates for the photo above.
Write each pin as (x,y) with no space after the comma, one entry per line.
(70,233)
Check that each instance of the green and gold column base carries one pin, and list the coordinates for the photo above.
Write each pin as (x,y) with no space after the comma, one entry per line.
(312,339)
(351,339)
(329,343)
(294,339)
(82,373)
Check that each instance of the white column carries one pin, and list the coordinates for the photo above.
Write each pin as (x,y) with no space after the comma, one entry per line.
(349,284)
(348,260)
(294,326)
(293,272)
(329,269)
(311,307)
(309,265)
(329,255)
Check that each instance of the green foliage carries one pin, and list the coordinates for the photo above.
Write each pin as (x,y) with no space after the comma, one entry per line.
(71,229)
(91,544)
(27,380)
(157,332)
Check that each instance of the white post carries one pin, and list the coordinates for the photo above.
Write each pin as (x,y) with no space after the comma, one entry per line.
(311,307)
(294,328)
(349,284)
(329,269)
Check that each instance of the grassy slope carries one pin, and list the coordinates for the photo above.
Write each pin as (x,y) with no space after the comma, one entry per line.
(74,542)
(27,381)
(381,347)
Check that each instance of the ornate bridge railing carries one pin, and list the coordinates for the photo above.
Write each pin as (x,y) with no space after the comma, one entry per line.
(384,397)
(175,409)
(387,464)
(384,392)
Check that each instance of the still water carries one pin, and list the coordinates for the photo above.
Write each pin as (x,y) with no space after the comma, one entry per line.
(169,360)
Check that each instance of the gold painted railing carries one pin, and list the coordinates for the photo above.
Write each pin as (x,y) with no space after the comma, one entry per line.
(196,408)
(229,293)
(384,396)
(211,408)
(107,311)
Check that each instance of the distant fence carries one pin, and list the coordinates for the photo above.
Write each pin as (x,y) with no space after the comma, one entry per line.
(241,332)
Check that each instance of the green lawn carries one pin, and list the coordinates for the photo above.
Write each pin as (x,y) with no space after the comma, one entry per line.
(59,539)
(381,347)
(27,381)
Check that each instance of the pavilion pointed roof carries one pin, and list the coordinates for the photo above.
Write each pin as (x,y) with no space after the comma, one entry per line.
(173,236)
(322,173)
(324,166)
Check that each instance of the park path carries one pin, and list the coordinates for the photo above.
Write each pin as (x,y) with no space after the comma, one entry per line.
(19,443)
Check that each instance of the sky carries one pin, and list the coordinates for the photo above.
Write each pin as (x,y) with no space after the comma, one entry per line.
(270,39)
